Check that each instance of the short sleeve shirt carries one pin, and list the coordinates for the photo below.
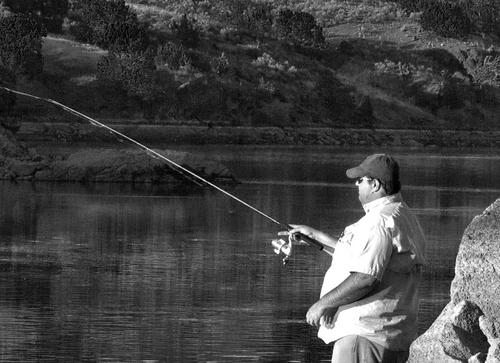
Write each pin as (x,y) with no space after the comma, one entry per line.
(386,243)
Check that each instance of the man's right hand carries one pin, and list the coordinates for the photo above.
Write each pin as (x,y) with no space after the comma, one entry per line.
(298,228)
(326,240)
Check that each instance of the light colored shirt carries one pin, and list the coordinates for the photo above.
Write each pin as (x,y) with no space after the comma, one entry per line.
(388,244)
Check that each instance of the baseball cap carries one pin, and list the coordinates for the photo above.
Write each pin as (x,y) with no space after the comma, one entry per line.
(378,166)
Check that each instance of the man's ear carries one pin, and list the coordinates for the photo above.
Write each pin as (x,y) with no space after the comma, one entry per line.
(377,185)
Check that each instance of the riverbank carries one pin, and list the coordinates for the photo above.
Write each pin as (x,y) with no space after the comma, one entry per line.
(208,134)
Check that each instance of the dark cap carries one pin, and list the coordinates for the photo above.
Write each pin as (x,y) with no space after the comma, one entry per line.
(377,166)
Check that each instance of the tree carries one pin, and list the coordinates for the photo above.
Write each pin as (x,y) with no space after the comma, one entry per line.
(136,73)
(21,44)
(299,27)
(50,13)
(110,25)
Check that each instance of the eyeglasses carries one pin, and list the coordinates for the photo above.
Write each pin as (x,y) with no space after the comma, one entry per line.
(360,180)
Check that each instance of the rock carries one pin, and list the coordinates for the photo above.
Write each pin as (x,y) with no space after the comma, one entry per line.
(466,317)
(478,263)
(427,348)
(461,337)
(490,330)
(455,336)
(477,358)
(23,169)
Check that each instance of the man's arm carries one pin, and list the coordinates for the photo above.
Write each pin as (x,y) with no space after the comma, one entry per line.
(328,242)
(353,288)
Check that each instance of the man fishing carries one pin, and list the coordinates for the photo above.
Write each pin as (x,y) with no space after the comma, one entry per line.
(369,300)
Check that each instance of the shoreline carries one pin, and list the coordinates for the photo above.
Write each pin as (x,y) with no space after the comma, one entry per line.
(246,135)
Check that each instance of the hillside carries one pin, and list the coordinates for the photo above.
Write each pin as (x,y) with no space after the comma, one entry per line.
(378,69)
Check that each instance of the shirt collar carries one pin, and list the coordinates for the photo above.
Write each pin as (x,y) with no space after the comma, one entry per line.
(380,202)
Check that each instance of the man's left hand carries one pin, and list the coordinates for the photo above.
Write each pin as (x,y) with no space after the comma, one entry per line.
(316,312)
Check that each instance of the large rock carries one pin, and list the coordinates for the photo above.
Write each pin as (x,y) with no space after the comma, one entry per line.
(468,328)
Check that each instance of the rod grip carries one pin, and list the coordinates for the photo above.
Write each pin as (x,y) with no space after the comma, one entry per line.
(310,241)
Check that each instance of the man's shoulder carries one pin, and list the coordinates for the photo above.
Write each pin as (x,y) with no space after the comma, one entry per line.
(382,219)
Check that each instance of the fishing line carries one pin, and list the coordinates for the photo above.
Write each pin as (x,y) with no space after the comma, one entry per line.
(179,168)
(148,150)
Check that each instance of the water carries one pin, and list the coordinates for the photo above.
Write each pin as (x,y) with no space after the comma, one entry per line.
(113,273)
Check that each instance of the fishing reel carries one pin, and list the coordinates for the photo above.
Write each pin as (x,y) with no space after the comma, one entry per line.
(283,247)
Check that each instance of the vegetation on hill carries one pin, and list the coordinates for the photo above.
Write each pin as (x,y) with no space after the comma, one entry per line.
(404,64)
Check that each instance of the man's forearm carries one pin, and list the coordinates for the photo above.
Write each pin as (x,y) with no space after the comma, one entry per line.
(353,288)
(328,242)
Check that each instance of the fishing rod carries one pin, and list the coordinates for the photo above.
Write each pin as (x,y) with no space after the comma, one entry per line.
(279,245)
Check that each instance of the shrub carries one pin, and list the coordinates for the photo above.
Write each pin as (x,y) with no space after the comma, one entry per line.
(109,24)
(133,71)
(299,27)
(484,15)
(202,98)
(50,12)
(446,19)
(185,30)
(487,72)
(220,65)
(251,17)
(21,44)
(199,60)
(171,55)
(267,61)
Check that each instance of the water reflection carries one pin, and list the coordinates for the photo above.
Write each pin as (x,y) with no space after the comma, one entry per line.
(119,273)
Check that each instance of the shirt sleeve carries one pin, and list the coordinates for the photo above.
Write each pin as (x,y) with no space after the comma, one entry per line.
(370,251)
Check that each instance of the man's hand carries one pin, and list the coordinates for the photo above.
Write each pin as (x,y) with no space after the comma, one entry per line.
(318,315)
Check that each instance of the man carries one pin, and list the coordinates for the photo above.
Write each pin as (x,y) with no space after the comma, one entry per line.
(368,304)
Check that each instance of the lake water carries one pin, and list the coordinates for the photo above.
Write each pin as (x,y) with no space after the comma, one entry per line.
(113,273)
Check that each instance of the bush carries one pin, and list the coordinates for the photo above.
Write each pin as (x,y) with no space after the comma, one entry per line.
(299,27)
(186,31)
(267,61)
(249,16)
(202,98)
(484,15)
(220,65)
(133,71)
(21,44)
(446,19)
(110,25)
(51,13)
(171,55)
(487,72)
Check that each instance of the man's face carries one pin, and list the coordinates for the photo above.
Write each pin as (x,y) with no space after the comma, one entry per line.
(364,189)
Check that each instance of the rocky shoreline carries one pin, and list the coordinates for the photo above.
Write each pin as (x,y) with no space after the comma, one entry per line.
(468,329)
(201,134)
(115,165)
